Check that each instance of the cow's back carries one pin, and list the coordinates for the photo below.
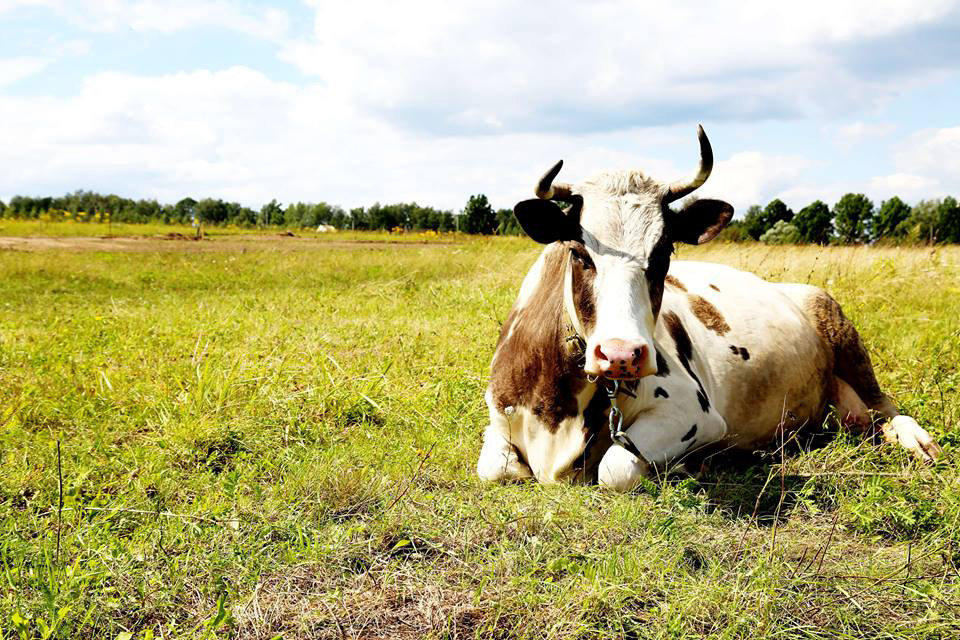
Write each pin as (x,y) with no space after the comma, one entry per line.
(760,358)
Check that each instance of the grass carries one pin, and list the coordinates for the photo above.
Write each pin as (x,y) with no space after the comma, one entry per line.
(262,443)
(21,228)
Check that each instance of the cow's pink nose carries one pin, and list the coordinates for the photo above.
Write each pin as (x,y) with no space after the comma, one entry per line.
(621,359)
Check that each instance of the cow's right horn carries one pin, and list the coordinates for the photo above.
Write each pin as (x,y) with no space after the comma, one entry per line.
(685,187)
(549,191)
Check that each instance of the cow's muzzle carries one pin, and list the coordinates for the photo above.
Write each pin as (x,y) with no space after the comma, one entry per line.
(620,360)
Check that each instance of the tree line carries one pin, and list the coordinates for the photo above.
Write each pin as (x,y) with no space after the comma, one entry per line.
(88,206)
(854,219)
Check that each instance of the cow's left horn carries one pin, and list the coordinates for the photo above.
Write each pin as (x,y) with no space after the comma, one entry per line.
(685,187)
(547,190)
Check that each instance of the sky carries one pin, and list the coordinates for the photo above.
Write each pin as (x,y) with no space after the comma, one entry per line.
(431,101)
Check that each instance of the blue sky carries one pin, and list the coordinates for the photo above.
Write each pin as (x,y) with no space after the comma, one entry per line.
(432,101)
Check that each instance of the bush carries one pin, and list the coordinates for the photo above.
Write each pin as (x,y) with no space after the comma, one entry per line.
(781,233)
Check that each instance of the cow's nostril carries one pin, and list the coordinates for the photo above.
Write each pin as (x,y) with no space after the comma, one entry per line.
(640,353)
(600,355)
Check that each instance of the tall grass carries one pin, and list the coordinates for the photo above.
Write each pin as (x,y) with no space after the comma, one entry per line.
(261,443)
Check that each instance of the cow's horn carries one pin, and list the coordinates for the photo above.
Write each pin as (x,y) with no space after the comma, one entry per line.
(547,190)
(684,187)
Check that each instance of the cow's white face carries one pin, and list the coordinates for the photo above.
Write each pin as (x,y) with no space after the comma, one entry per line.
(620,232)
(625,237)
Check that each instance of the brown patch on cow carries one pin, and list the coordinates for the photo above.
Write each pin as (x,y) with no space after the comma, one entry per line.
(675,283)
(535,366)
(584,275)
(850,359)
(708,314)
(715,287)
(685,353)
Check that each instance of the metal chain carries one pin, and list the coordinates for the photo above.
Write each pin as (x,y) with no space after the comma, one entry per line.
(616,416)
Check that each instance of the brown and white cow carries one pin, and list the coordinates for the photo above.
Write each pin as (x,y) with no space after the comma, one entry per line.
(704,353)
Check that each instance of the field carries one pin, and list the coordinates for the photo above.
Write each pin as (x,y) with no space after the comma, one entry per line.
(275,437)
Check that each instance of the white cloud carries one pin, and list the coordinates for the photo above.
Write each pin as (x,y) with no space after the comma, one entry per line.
(498,65)
(753,177)
(906,185)
(854,133)
(239,135)
(15,69)
(933,152)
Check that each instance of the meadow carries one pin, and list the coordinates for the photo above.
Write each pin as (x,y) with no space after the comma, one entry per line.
(276,437)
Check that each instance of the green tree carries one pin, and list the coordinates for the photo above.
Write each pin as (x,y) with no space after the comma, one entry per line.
(212,211)
(753,222)
(507,224)
(758,221)
(852,216)
(776,211)
(271,213)
(185,210)
(478,216)
(734,232)
(888,221)
(923,224)
(949,220)
(814,223)
(359,218)
(782,232)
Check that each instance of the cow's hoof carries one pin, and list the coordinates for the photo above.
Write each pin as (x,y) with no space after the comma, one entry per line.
(502,466)
(905,431)
(621,470)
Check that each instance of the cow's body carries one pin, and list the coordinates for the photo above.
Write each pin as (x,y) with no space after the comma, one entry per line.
(702,353)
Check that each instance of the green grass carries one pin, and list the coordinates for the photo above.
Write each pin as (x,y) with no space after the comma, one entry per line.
(13,227)
(265,443)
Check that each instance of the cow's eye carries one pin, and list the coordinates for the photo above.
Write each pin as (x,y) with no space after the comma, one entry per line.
(581,258)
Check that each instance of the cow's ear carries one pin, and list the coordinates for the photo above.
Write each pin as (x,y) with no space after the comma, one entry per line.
(700,221)
(545,221)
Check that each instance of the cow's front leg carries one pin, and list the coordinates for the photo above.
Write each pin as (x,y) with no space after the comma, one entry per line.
(621,470)
(499,461)
(660,437)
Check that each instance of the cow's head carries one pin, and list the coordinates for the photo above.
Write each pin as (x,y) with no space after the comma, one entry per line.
(620,230)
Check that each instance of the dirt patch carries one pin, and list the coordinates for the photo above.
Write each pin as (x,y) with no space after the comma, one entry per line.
(181,242)
(175,236)
(302,603)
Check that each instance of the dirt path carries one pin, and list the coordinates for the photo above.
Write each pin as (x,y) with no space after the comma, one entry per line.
(177,242)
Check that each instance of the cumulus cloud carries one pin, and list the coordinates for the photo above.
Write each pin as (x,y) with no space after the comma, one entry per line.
(854,133)
(933,152)
(751,177)
(238,134)
(15,69)
(487,65)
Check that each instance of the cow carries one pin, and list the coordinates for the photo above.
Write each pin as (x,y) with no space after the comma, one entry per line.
(685,355)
